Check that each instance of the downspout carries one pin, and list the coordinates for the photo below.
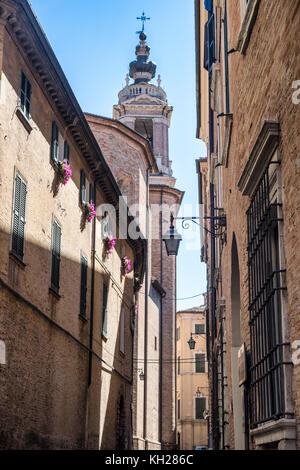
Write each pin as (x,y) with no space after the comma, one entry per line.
(161,325)
(146,310)
(92,290)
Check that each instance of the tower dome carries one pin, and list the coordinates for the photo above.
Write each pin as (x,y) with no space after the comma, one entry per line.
(141,69)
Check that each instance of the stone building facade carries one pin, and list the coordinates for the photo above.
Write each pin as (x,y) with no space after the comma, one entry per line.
(135,146)
(192,379)
(67,309)
(249,116)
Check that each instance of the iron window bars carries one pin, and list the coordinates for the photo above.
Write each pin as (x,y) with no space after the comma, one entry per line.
(267,391)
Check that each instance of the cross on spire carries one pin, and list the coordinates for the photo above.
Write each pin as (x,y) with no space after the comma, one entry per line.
(143,19)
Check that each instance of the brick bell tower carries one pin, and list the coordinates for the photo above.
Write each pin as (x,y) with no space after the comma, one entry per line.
(143,106)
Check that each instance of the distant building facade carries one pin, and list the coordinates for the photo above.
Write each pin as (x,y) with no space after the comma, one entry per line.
(248,116)
(67,308)
(192,379)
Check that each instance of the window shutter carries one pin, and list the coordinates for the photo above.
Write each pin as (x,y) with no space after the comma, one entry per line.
(199,329)
(56,240)
(211,41)
(25,95)
(18,229)
(200,405)
(91,194)
(200,363)
(54,143)
(208,5)
(178,366)
(83,286)
(82,187)
(178,409)
(104,309)
(122,331)
(66,152)
(206,46)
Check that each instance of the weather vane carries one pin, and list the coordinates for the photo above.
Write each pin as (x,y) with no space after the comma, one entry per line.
(143,19)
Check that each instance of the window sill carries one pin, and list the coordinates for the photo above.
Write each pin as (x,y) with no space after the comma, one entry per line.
(104,336)
(54,292)
(247,26)
(82,318)
(17,260)
(274,431)
(24,120)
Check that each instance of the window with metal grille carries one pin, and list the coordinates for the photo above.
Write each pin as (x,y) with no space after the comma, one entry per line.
(104,308)
(200,407)
(178,365)
(200,363)
(199,329)
(18,228)
(83,286)
(266,285)
(25,95)
(56,239)
(55,142)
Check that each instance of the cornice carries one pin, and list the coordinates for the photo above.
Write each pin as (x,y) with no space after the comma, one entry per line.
(262,152)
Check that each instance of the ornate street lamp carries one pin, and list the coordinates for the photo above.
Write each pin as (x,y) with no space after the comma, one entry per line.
(172,239)
(192,342)
(198,392)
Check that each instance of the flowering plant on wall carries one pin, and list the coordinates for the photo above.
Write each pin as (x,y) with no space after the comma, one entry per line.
(109,244)
(64,171)
(126,264)
(137,283)
(89,211)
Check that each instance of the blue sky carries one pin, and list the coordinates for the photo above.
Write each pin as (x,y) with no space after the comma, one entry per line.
(94,42)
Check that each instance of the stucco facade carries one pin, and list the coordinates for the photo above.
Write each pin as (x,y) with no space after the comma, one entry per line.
(65,383)
(192,379)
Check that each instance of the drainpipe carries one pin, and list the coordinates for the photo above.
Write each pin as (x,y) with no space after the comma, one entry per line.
(92,291)
(146,310)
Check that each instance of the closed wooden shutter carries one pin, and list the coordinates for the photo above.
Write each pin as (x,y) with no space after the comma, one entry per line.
(200,363)
(104,309)
(54,143)
(67,151)
(83,286)
(18,229)
(82,186)
(56,240)
(200,406)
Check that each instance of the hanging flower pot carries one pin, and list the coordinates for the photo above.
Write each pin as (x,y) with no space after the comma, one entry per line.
(64,171)
(137,284)
(126,264)
(89,211)
(109,244)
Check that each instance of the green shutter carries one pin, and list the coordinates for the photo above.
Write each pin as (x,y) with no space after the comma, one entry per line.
(83,286)
(82,186)
(56,240)
(18,229)
(54,143)
(104,309)
(91,194)
(25,95)
(200,363)
(199,329)
(200,406)
(67,151)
